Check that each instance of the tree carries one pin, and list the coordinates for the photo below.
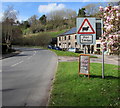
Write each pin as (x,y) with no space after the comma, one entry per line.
(33,19)
(43,19)
(10,13)
(8,24)
(81,12)
(25,24)
(57,18)
(69,14)
(92,9)
(35,24)
(111,20)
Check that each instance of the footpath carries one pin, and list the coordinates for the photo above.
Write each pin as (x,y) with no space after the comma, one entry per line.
(108,59)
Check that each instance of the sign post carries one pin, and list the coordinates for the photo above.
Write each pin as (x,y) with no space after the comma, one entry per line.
(103,64)
(102,55)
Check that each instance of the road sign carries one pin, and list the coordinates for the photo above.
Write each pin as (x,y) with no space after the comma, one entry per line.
(86,28)
(84,64)
(86,39)
(86,31)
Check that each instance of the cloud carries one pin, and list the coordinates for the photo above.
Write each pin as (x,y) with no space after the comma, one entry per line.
(50,7)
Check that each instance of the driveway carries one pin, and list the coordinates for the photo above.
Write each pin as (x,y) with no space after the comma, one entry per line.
(109,59)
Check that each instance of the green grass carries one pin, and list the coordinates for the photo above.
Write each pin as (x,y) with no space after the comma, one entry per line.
(67,53)
(52,33)
(70,89)
(55,33)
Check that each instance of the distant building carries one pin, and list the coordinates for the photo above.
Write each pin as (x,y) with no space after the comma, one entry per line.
(69,40)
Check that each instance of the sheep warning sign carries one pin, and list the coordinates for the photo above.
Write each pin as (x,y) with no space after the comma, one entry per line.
(86,31)
(86,28)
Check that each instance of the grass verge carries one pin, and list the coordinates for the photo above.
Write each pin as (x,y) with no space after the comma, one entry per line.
(69,89)
(67,53)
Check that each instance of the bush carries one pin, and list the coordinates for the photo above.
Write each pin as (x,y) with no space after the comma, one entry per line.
(41,39)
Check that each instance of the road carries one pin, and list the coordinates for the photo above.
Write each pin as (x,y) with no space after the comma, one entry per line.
(27,77)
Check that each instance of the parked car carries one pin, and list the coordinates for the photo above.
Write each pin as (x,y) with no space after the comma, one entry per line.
(57,48)
(75,50)
(50,47)
(53,47)
(72,49)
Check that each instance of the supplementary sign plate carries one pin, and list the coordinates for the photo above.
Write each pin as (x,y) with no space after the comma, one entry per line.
(86,39)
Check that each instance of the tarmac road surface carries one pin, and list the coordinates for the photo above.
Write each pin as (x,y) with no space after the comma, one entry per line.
(27,77)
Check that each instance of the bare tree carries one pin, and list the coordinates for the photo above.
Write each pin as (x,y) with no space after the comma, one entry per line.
(69,13)
(10,13)
(93,9)
(57,18)
(61,14)
(8,23)
(33,19)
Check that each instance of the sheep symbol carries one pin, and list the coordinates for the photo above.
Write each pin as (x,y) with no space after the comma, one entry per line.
(85,28)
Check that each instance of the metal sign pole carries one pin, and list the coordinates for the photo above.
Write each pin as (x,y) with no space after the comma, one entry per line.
(85,53)
(102,54)
(103,64)
(85,49)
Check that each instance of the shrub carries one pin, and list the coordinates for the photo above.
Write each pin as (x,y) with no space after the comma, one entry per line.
(41,39)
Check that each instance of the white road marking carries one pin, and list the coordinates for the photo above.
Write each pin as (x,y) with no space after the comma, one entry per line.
(23,61)
(22,52)
(32,55)
(29,57)
(16,64)
(0,70)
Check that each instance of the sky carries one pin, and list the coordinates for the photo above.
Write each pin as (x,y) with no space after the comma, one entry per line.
(28,8)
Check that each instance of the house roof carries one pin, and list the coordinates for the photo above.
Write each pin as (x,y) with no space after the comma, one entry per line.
(71,31)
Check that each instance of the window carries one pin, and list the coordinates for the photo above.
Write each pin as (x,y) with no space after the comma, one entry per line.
(59,38)
(59,44)
(75,44)
(69,37)
(65,37)
(75,36)
(98,45)
(69,43)
(98,30)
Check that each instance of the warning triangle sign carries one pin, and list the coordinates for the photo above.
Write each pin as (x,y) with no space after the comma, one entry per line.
(86,28)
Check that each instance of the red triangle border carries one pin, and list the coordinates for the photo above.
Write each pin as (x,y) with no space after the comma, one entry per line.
(93,32)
